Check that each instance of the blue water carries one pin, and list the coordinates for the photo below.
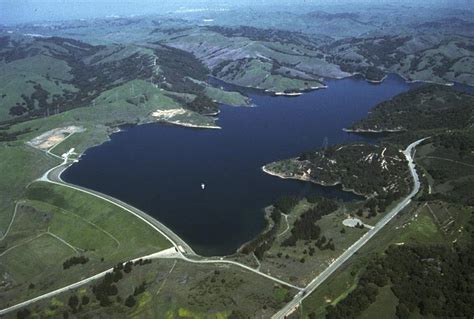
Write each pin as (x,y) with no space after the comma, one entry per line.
(159,168)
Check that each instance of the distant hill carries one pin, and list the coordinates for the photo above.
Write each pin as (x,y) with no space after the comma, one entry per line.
(425,108)
(41,76)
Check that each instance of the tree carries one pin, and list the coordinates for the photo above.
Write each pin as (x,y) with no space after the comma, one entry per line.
(73,302)
(130,301)
(128,267)
(402,311)
(85,300)
(23,313)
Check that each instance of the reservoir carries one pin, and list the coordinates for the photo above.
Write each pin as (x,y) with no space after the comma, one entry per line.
(207,185)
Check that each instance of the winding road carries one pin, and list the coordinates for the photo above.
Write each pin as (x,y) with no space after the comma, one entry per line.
(183,251)
(316,282)
(180,250)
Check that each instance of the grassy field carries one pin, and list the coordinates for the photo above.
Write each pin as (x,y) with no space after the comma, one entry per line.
(403,229)
(226,97)
(385,304)
(295,263)
(54,223)
(176,289)
(37,69)
(19,164)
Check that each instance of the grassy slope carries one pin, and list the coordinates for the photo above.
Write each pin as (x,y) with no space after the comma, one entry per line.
(176,289)
(94,228)
(19,164)
(403,229)
(22,164)
(291,268)
(41,69)
(417,225)
(226,97)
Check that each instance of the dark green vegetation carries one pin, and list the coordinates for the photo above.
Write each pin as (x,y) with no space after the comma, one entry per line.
(419,277)
(304,48)
(59,236)
(103,73)
(414,57)
(422,266)
(75,260)
(265,239)
(305,228)
(378,172)
(426,108)
(278,62)
(168,289)
(53,75)
(302,236)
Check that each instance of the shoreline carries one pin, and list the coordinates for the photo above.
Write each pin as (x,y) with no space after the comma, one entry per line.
(307,179)
(189,125)
(166,232)
(268,221)
(358,130)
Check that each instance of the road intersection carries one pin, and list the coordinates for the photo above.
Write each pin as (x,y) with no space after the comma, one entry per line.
(183,251)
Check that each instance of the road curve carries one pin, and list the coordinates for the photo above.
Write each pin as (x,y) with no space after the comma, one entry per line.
(230,262)
(54,176)
(316,282)
(180,250)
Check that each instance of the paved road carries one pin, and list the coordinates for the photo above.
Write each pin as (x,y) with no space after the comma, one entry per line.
(77,284)
(230,262)
(293,304)
(180,250)
(54,176)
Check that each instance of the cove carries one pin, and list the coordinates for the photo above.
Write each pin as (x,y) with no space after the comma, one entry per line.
(159,168)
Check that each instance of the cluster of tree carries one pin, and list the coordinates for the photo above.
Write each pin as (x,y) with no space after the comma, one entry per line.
(23,313)
(226,68)
(91,76)
(459,142)
(142,262)
(107,288)
(432,280)
(12,50)
(74,302)
(264,240)
(365,175)
(305,228)
(130,301)
(427,107)
(202,104)
(461,193)
(378,52)
(177,65)
(314,198)
(323,244)
(75,260)
(271,35)
(286,203)
(6,136)
(379,204)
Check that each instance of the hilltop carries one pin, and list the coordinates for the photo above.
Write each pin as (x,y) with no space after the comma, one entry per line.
(43,76)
